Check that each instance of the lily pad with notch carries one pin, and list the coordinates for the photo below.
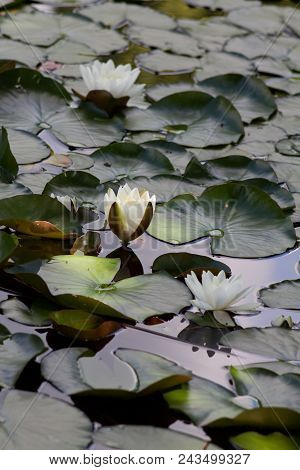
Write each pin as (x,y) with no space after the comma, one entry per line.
(242,221)
(52,424)
(37,314)
(85,282)
(127,374)
(191,119)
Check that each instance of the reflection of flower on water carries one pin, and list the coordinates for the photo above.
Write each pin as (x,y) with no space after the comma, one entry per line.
(118,81)
(129,212)
(218,293)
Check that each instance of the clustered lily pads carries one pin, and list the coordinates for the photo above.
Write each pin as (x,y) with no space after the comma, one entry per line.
(147,158)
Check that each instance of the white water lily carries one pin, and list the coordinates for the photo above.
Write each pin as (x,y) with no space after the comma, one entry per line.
(70,203)
(118,81)
(218,293)
(129,212)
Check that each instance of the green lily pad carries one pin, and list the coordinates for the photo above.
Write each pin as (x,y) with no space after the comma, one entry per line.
(37,215)
(15,352)
(280,195)
(35,111)
(244,222)
(4,333)
(27,183)
(255,441)
(13,189)
(22,53)
(8,244)
(83,325)
(259,19)
(231,168)
(290,85)
(191,119)
(253,46)
(38,314)
(284,294)
(8,164)
(128,160)
(204,401)
(278,367)
(169,41)
(212,62)
(181,264)
(165,63)
(278,391)
(268,342)
(261,395)
(67,51)
(27,148)
(178,155)
(290,146)
(118,14)
(51,424)
(75,184)
(288,173)
(250,96)
(78,371)
(90,287)
(44,30)
(289,105)
(148,438)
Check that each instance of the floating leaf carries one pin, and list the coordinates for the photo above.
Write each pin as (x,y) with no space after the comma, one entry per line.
(118,14)
(191,118)
(284,294)
(78,371)
(8,244)
(181,264)
(83,325)
(148,438)
(268,342)
(15,352)
(249,95)
(38,314)
(8,164)
(165,63)
(51,424)
(128,160)
(255,441)
(36,215)
(261,19)
(225,5)
(16,51)
(242,221)
(85,282)
(27,148)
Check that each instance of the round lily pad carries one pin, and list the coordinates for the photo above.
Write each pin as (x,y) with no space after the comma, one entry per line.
(181,264)
(284,294)
(51,424)
(242,221)
(27,148)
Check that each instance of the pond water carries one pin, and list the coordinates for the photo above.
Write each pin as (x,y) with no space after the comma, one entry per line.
(195,348)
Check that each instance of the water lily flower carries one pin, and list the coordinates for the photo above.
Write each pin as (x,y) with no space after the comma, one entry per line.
(70,203)
(129,212)
(217,293)
(112,88)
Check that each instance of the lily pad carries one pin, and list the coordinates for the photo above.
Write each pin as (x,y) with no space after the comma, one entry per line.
(116,15)
(255,441)
(8,244)
(181,264)
(16,51)
(193,119)
(168,41)
(27,148)
(75,184)
(35,111)
(83,325)
(290,85)
(15,352)
(241,220)
(225,5)
(51,424)
(8,164)
(290,146)
(37,215)
(129,373)
(85,282)
(38,314)
(129,160)
(148,438)
(249,95)
(284,294)
(44,30)
(268,342)
(165,63)
(4,333)
(259,19)
(212,62)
